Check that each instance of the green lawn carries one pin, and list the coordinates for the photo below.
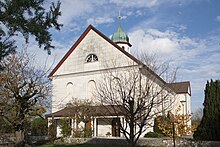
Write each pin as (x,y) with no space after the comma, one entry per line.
(81,145)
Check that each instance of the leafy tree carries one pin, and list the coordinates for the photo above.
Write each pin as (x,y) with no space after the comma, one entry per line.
(165,124)
(27,17)
(157,123)
(174,125)
(23,90)
(210,124)
(4,127)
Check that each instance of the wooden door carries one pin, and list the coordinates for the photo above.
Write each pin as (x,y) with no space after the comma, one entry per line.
(115,127)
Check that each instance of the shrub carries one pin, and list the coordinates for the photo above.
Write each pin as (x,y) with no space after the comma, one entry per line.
(77,133)
(153,135)
(87,133)
(52,131)
(39,127)
(160,119)
(65,127)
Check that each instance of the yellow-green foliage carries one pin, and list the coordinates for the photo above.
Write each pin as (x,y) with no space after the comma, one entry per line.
(178,121)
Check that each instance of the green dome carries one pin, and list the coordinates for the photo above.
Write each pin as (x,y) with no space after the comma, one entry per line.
(120,36)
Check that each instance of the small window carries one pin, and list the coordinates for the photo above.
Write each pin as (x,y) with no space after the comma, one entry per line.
(91,58)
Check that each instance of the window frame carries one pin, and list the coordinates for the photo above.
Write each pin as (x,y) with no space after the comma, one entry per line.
(94,58)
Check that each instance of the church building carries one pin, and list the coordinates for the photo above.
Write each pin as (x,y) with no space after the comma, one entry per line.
(83,66)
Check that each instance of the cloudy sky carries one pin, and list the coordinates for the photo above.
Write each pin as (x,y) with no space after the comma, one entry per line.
(185,32)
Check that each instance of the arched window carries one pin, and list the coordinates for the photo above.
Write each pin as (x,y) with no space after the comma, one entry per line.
(91,87)
(69,88)
(91,58)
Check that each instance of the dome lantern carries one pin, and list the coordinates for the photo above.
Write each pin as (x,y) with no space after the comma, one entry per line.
(120,36)
(121,39)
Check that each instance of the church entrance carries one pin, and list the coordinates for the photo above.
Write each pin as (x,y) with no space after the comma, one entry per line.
(116,127)
(88,125)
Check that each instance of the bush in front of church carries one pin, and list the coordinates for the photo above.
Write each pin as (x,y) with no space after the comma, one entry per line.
(153,135)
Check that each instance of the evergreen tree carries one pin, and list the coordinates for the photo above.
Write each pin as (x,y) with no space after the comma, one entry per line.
(210,124)
(26,17)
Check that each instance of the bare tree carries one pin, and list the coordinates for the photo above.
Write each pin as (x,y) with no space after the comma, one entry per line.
(197,114)
(23,89)
(140,95)
(196,118)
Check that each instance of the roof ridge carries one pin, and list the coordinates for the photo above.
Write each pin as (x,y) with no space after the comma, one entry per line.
(179,82)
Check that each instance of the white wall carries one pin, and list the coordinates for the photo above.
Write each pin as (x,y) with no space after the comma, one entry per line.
(79,73)
(104,126)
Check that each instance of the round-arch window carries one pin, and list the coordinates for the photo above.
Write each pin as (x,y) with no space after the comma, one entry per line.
(91,58)
(69,87)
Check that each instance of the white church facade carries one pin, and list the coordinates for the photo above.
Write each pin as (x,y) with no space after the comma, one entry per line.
(78,72)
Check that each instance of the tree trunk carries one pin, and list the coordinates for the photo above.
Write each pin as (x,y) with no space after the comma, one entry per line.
(131,141)
(19,138)
(173,134)
(132,122)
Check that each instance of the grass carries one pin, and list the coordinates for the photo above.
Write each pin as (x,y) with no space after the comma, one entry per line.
(81,145)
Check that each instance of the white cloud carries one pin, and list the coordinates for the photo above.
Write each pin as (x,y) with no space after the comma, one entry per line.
(155,41)
(77,13)
(73,9)
(138,13)
(148,3)
(218,18)
(73,13)
(137,4)
(100,20)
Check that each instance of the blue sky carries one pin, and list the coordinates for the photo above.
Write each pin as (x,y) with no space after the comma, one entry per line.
(185,32)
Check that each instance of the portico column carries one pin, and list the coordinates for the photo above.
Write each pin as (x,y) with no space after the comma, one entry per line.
(75,123)
(122,125)
(94,126)
(72,126)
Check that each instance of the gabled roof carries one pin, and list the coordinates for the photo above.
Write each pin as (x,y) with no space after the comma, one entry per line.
(90,27)
(181,87)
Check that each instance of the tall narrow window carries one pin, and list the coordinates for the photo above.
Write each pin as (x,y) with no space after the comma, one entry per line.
(91,58)
(69,88)
(91,89)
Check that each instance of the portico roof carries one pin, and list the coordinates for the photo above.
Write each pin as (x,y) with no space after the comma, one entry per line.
(102,110)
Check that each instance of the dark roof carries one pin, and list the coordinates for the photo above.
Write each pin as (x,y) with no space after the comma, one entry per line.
(90,27)
(103,110)
(181,87)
